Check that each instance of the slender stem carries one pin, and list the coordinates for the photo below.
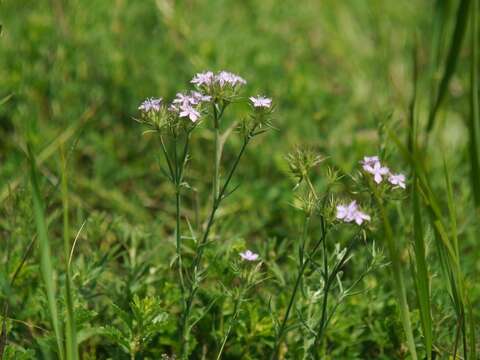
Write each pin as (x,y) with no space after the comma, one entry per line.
(303,266)
(178,180)
(216,131)
(70,331)
(329,278)
(192,290)
(236,311)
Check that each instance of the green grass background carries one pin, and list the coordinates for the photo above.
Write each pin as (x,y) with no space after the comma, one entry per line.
(337,71)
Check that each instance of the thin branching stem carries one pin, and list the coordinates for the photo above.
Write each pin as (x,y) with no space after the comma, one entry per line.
(195,268)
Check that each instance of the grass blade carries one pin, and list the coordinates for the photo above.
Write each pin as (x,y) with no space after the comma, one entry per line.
(70,331)
(46,266)
(474,119)
(421,278)
(452,58)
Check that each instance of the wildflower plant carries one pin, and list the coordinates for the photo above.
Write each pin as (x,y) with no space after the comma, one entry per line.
(175,123)
(315,264)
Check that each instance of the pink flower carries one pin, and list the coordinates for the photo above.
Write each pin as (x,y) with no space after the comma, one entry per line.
(398,180)
(150,104)
(377,170)
(225,77)
(360,217)
(249,256)
(347,212)
(350,212)
(261,101)
(204,78)
(369,161)
(190,112)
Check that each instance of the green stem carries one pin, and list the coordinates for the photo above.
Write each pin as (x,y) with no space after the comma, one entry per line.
(199,253)
(303,266)
(216,131)
(398,280)
(70,331)
(236,311)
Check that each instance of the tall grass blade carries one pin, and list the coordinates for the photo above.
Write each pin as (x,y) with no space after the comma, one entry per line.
(474,119)
(46,266)
(452,59)
(70,331)
(422,278)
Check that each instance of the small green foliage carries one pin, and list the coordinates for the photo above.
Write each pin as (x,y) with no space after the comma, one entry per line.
(136,328)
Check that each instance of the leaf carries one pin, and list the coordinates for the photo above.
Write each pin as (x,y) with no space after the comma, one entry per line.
(46,266)
(452,58)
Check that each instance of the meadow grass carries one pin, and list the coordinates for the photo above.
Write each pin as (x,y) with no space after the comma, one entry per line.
(123,240)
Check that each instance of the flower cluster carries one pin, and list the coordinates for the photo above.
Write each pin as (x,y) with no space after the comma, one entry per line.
(150,105)
(222,79)
(261,102)
(218,89)
(351,212)
(186,104)
(373,166)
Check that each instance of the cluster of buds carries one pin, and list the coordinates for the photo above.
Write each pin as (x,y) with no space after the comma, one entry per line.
(301,161)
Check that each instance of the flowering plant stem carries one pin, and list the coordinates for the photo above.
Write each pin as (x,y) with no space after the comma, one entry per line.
(233,320)
(303,261)
(195,271)
(329,278)
(397,274)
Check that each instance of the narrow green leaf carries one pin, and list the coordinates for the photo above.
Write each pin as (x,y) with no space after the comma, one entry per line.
(474,118)
(452,58)
(422,278)
(46,266)
(70,331)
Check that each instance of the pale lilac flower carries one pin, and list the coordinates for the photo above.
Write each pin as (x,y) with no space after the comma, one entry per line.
(199,97)
(397,179)
(225,77)
(377,170)
(204,78)
(261,101)
(190,112)
(347,212)
(183,99)
(150,104)
(194,98)
(360,217)
(249,256)
(350,212)
(369,161)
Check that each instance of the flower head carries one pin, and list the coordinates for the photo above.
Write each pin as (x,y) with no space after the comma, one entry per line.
(350,212)
(397,179)
(188,111)
(347,212)
(369,161)
(249,256)
(204,78)
(377,170)
(225,77)
(261,101)
(150,104)
(360,217)
(190,99)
